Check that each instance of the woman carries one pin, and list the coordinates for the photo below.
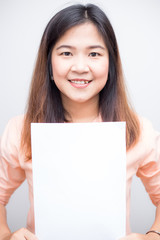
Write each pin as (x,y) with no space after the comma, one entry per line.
(78,78)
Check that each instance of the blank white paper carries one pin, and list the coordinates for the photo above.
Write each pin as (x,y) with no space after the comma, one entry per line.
(79,180)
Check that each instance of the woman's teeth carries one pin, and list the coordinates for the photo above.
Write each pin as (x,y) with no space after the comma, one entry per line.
(80,82)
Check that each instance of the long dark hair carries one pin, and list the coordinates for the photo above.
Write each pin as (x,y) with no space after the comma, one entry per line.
(45,104)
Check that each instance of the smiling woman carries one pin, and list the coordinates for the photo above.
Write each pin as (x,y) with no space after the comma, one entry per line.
(78,78)
(80,65)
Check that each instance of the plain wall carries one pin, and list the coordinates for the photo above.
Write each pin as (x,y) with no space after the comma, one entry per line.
(137,27)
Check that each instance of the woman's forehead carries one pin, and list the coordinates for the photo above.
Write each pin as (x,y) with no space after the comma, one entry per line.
(86,33)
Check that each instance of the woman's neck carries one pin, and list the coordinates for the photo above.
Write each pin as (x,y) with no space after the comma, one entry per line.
(82,112)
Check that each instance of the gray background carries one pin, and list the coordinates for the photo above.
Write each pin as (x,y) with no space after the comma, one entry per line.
(137,27)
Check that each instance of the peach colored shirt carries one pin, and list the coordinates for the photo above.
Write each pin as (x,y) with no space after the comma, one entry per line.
(143,160)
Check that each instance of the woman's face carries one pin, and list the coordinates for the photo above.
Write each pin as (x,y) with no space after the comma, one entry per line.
(80,64)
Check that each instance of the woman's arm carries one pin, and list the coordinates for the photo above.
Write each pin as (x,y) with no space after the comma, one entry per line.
(149,236)
(4,229)
(5,233)
(156,224)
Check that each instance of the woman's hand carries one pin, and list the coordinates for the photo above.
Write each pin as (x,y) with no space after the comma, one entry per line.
(137,236)
(21,234)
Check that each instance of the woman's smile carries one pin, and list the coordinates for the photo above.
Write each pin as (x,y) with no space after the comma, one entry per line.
(80,83)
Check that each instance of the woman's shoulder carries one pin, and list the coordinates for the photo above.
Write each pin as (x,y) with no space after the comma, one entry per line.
(13,129)
(147,147)
(16,119)
(148,138)
(15,122)
(147,131)
(144,122)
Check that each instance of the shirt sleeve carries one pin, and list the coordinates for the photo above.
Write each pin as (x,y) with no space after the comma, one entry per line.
(149,168)
(11,173)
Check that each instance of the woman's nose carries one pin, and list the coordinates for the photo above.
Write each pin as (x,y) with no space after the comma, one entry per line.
(80,65)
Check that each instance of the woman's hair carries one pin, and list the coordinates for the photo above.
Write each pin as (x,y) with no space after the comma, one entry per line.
(45,104)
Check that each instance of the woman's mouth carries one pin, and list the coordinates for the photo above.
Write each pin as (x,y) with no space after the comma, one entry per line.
(80,83)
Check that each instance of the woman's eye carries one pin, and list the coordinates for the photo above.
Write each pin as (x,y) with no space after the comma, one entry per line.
(94,54)
(66,54)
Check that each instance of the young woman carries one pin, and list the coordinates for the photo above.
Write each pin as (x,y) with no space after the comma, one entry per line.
(78,78)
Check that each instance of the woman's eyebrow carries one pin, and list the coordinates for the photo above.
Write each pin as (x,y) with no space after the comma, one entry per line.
(65,46)
(89,47)
(96,46)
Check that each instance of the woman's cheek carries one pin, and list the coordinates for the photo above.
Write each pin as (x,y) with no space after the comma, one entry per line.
(102,72)
(60,69)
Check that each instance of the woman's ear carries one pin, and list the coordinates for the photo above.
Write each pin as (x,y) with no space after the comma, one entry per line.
(50,66)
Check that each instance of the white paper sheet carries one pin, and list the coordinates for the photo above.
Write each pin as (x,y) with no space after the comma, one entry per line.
(79,180)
